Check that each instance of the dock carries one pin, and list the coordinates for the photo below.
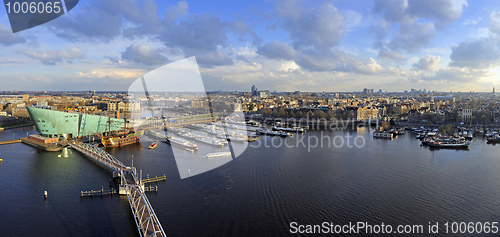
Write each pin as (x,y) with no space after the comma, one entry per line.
(41,145)
(10,141)
(145,218)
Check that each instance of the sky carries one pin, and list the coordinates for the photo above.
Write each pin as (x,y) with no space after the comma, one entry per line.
(277,45)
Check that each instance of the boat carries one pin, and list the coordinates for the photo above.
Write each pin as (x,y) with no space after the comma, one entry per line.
(293,129)
(210,141)
(449,144)
(383,135)
(182,143)
(122,137)
(156,135)
(123,140)
(267,132)
(218,154)
(469,135)
(153,145)
(285,134)
(494,139)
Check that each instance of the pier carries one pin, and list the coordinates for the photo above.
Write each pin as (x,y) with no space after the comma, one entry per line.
(130,185)
(10,141)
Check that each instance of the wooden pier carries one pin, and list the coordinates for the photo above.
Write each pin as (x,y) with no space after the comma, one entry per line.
(155,179)
(102,192)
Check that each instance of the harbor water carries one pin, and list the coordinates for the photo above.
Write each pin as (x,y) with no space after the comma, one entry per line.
(260,192)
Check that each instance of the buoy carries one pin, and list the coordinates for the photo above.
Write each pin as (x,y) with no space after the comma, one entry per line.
(45,194)
(1,160)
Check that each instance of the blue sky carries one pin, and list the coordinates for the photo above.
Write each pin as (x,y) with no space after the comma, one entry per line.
(393,45)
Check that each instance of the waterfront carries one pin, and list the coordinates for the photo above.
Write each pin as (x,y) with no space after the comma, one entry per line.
(257,194)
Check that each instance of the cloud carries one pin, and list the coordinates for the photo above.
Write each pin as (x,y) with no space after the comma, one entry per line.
(494,25)
(174,12)
(277,50)
(51,57)
(8,38)
(427,63)
(462,75)
(321,26)
(481,53)
(472,21)
(413,36)
(89,23)
(143,53)
(385,53)
(443,12)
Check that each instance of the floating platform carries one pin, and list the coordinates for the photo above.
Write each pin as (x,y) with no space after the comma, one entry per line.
(41,145)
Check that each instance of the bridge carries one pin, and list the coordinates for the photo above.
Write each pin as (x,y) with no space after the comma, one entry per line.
(144,215)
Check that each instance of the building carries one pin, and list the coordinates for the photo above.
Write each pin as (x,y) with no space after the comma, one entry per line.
(366,113)
(464,115)
(264,94)
(255,91)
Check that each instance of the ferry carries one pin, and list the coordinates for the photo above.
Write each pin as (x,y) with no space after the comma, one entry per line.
(383,135)
(182,143)
(218,154)
(153,145)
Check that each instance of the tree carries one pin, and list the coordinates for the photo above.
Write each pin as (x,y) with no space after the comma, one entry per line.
(330,114)
(266,112)
(319,114)
(282,113)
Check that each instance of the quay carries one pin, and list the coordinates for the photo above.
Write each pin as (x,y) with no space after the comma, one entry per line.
(145,218)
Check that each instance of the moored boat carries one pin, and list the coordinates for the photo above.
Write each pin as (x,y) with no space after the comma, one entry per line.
(185,144)
(383,135)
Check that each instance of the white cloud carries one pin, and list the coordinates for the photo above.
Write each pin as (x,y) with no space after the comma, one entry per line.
(472,21)
(143,53)
(428,63)
(51,57)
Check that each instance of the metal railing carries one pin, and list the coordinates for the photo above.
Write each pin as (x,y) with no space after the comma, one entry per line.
(100,155)
(144,215)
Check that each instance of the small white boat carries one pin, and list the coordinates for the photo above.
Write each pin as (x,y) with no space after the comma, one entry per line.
(218,154)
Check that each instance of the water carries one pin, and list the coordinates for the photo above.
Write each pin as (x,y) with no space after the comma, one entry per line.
(257,194)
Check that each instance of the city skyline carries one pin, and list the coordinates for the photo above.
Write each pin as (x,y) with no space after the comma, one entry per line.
(336,46)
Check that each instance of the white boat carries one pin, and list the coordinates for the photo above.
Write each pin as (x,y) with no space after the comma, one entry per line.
(218,154)
(210,141)
(382,135)
(185,144)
